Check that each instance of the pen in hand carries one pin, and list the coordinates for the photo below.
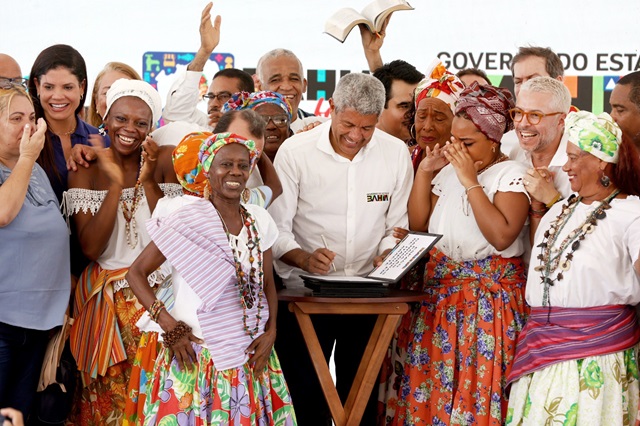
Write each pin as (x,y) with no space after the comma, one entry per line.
(324,241)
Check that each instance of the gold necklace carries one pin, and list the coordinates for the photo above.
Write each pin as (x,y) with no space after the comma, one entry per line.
(502,157)
(65,133)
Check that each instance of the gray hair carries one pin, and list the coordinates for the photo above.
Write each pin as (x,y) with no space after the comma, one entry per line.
(275,53)
(362,92)
(561,98)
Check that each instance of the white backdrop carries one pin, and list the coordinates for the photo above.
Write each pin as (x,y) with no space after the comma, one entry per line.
(589,32)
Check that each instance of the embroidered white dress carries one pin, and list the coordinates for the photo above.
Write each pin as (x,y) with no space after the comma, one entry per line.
(597,390)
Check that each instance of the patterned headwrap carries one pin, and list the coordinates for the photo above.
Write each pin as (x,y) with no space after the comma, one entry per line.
(191,171)
(488,107)
(246,100)
(186,164)
(439,84)
(210,147)
(598,135)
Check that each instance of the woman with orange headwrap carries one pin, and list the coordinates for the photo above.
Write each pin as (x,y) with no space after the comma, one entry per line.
(218,364)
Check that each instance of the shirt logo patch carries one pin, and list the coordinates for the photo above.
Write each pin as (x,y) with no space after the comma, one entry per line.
(377,196)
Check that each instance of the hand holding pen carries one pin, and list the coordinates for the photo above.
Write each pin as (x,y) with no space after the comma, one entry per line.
(324,241)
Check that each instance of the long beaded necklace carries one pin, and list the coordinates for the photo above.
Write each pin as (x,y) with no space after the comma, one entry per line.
(550,257)
(130,227)
(250,288)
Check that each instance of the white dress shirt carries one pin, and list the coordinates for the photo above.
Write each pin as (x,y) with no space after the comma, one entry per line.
(183,99)
(354,204)
(560,178)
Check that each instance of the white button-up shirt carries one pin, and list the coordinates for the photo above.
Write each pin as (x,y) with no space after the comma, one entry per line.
(354,204)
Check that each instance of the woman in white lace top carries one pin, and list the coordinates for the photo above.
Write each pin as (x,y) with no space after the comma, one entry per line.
(109,202)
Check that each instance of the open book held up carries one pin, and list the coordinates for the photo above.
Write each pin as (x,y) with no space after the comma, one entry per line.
(340,24)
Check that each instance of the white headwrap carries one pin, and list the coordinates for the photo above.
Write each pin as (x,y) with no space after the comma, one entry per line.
(136,88)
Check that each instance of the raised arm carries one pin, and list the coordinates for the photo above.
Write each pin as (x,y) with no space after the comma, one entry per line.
(14,189)
(372,43)
(209,39)
(182,99)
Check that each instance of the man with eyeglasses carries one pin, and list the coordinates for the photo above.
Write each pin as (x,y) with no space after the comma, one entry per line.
(184,94)
(541,108)
(10,73)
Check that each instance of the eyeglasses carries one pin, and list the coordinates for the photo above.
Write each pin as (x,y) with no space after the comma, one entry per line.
(222,96)
(7,83)
(280,120)
(533,117)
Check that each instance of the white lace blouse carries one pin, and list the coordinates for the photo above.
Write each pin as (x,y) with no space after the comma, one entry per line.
(118,254)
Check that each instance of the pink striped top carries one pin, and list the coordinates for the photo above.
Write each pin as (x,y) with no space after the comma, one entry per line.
(193,240)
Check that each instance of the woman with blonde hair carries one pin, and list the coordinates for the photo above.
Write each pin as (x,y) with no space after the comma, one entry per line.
(105,78)
(34,254)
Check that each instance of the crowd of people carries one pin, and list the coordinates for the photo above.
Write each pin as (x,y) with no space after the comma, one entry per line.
(146,260)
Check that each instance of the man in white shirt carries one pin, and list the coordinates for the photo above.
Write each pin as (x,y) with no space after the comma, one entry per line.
(280,70)
(349,183)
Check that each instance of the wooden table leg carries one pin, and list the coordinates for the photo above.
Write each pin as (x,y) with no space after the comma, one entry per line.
(365,379)
(320,365)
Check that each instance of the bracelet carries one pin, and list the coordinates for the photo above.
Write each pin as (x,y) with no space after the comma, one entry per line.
(466,190)
(537,211)
(170,338)
(557,198)
(154,310)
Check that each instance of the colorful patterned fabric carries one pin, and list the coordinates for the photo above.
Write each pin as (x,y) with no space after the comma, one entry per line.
(141,374)
(439,84)
(206,396)
(462,343)
(102,402)
(598,135)
(96,339)
(595,390)
(210,147)
(246,100)
(187,165)
(562,334)
(488,107)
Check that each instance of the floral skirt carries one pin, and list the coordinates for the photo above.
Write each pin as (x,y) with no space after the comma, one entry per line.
(102,402)
(598,390)
(141,374)
(205,396)
(461,343)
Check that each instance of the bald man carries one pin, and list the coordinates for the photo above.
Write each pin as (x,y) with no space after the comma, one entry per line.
(9,69)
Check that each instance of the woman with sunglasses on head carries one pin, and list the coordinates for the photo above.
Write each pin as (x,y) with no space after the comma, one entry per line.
(577,358)
(462,339)
(109,202)
(34,251)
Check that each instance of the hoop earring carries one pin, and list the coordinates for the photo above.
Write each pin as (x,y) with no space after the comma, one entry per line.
(412,131)
(604,180)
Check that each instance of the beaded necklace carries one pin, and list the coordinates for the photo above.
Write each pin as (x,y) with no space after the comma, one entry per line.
(550,257)
(130,227)
(250,288)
